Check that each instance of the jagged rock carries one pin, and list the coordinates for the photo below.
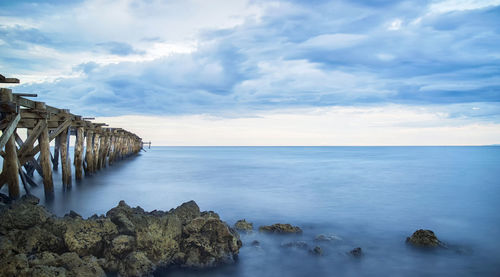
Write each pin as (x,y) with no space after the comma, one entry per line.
(207,214)
(187,211)
(127,241)
(23,214)
(136,264)
(158,237)
(356,252)
(88,237)
(243,225)
(208,242)
(316,251)
(280,229)
(424,238)
(73,214)
(14,266)
(122,245)
(119,216)
(49,271)
(329,237)
(35,240)
(296,244)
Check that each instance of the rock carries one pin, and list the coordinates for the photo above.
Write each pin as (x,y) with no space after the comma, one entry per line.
(280,229)
(35,240)
(119,215)
(356,252)
(136,264)
(208,214)
(49,271)
(29,199)
(22,214)
(13,266)
(122,245)
(317,251)
(423,238)
(88,237)
(255,243)
(330,237)
(243,225)
(73,214)
(295,244)
(187,211)
(158,237)
(209,242)
(127,241)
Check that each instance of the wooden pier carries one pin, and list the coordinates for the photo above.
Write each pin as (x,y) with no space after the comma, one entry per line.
(95,146)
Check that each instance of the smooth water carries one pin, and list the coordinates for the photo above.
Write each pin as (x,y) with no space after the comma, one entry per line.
(370,197)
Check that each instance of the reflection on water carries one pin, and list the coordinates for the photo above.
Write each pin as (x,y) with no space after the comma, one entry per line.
(371,197)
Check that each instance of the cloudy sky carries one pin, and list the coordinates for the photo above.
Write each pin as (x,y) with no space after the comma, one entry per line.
(235,72)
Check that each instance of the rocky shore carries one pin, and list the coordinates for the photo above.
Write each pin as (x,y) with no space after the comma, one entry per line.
(128,241)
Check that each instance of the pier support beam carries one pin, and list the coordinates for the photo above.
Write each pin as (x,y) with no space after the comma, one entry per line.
(96,152)
(79,153)
(89,153)
(11,167)
(65,159)
(55,158)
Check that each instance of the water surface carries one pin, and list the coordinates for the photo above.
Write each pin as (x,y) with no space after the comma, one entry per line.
(370,197)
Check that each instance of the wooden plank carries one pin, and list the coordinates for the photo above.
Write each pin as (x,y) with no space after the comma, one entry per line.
(8,80)
(7,133)
(28,144)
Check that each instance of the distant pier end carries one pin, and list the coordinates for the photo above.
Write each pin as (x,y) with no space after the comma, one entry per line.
(95,146)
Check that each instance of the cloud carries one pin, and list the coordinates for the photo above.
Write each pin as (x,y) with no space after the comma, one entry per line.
(246,57)
(119,48)
(385,125)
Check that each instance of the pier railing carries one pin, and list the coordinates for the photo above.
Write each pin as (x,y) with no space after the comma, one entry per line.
(101,146)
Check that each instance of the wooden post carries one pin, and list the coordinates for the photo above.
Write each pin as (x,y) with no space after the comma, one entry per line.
(112,143)
(79,153)
(102,150)
(55,160)
(89,152)
(65,159)
(43,141)
(10,161)
(96,151)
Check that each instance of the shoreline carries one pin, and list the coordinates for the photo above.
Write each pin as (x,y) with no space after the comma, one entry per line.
(128,241)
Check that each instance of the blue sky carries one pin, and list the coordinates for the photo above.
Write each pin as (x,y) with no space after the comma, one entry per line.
(233,60)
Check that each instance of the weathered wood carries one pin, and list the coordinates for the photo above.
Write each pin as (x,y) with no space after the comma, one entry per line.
(112,142)
(8,80)
(96,152)
(7,133)
(43,142)
(65,159)
(24,181)
(29,162)
(79,153)
(55,157)
(27,146)
(89,152)
(11,168)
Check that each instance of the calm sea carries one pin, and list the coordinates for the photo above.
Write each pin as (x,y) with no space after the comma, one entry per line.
(369,197)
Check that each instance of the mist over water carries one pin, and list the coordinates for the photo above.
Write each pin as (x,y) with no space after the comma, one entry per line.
(370,197)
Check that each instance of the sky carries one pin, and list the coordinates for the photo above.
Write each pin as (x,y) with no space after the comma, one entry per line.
(237,72)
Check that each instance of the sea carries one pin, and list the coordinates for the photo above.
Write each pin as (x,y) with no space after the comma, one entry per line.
(367,197)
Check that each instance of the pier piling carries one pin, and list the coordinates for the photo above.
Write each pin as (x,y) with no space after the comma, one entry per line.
(102,146)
